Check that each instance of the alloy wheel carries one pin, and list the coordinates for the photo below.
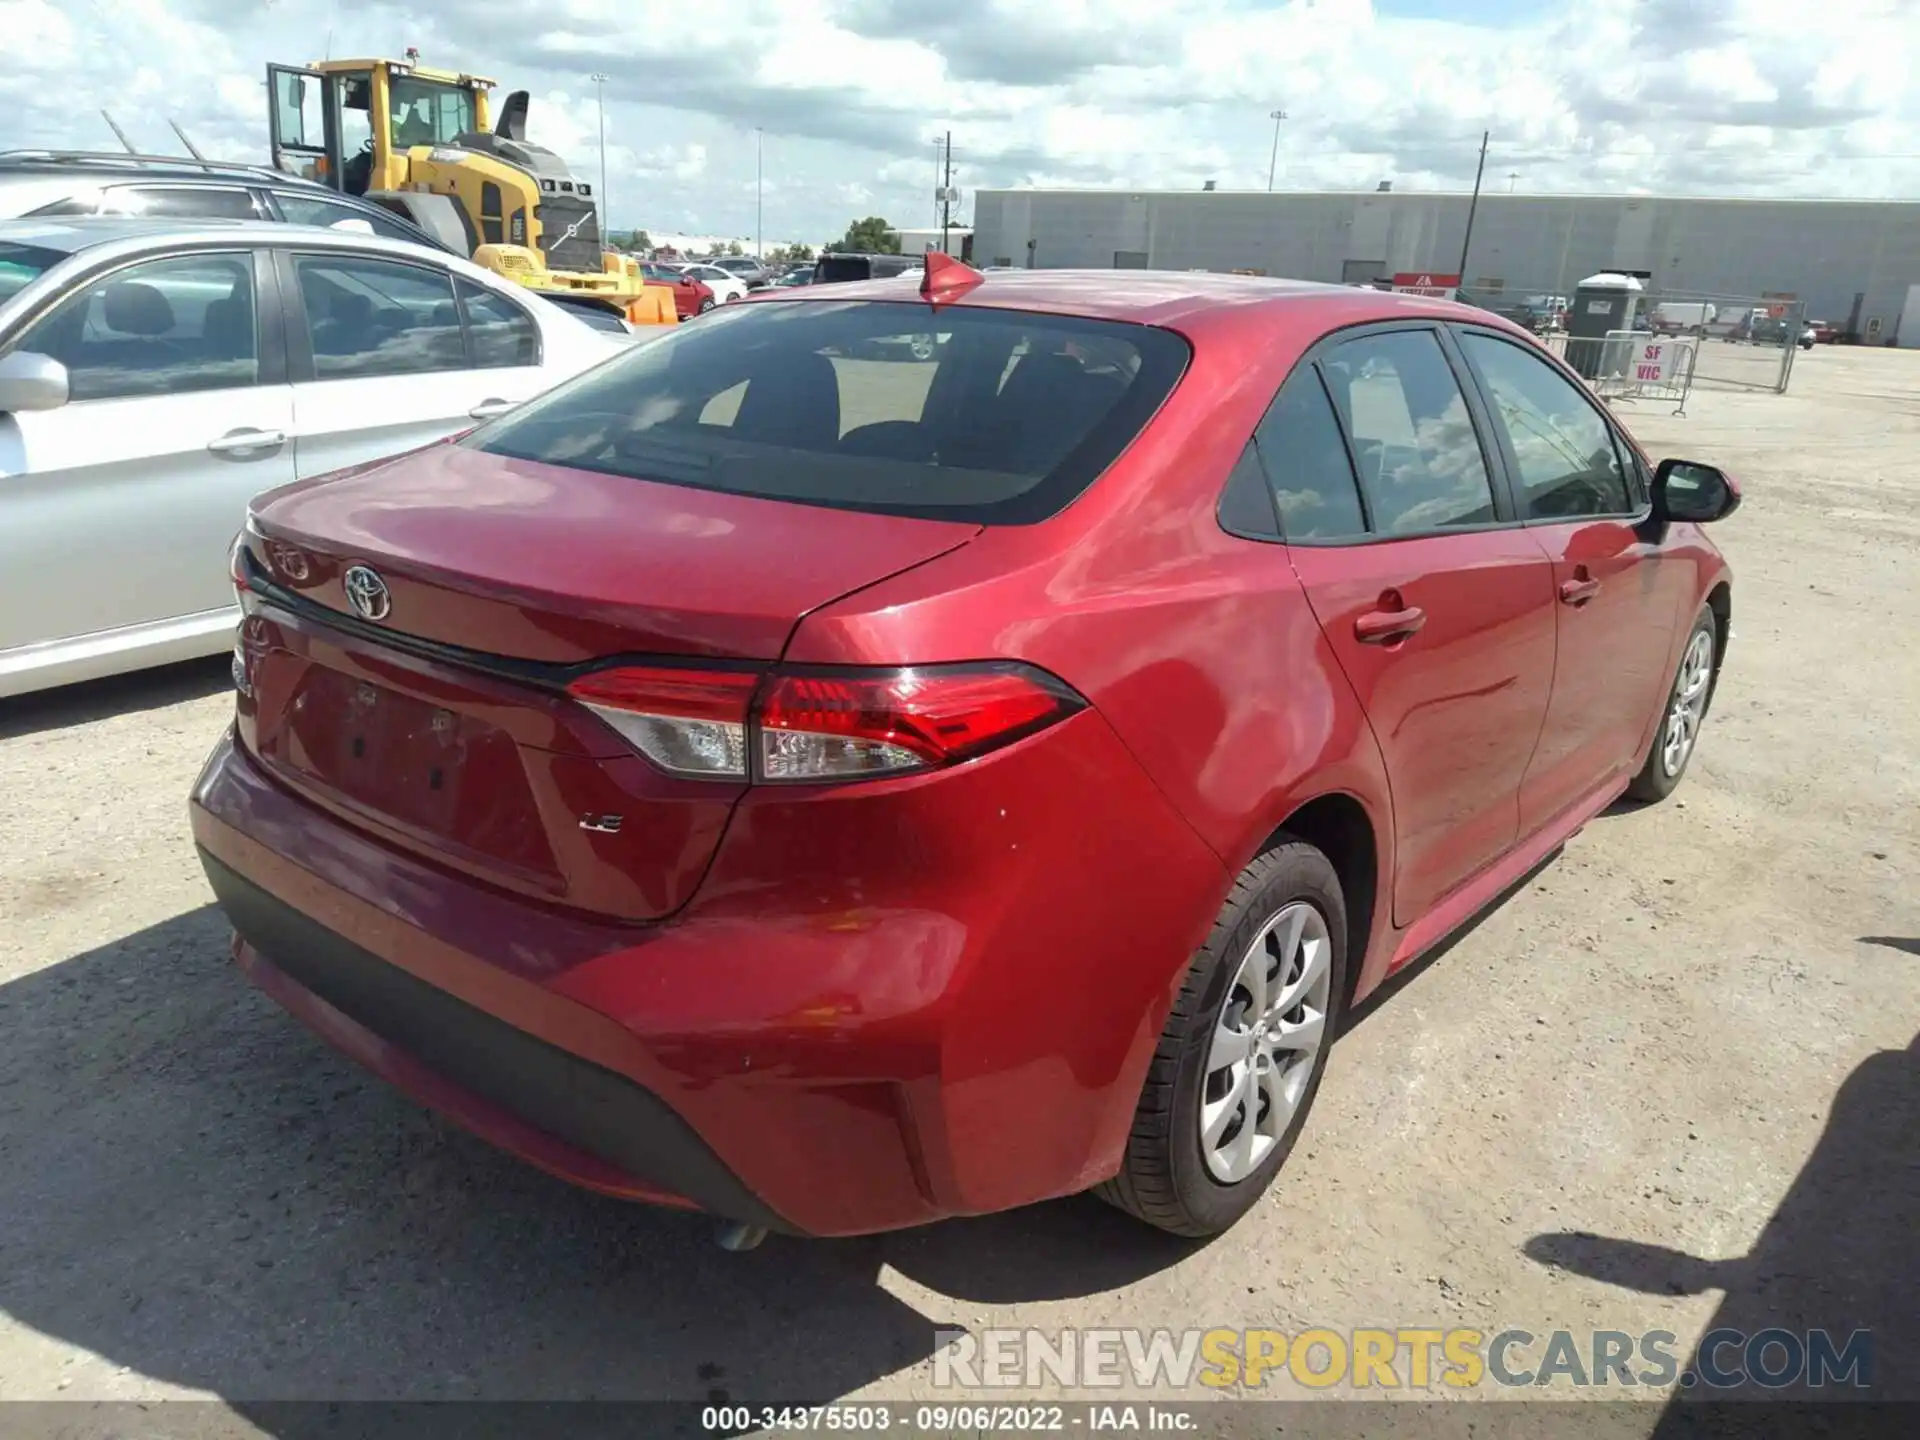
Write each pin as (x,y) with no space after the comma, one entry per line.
(1264,1045)
(1689,703)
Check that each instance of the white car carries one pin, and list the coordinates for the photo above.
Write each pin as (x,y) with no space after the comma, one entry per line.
(156,375)
(725,287)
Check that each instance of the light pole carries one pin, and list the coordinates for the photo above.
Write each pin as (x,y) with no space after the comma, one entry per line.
(1512,177)
(1274,159)
(946,198)
(759,200)
(600,93)
(1473,205)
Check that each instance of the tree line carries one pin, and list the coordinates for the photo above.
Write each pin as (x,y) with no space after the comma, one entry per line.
(869,236)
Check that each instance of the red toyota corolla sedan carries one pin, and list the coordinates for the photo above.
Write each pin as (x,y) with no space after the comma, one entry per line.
(838,792)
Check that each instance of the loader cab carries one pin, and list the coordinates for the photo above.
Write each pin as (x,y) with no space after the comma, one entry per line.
(351,123)
(421,142)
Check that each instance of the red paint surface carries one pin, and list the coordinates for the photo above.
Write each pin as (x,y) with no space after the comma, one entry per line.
(890,1001)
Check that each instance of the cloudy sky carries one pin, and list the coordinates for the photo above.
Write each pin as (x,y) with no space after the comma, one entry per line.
(1697,96)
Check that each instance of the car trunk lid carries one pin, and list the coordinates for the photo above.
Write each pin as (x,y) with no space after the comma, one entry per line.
(434,712)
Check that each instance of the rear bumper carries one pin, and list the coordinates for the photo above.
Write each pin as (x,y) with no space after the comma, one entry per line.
(567,1115)
(886,1005)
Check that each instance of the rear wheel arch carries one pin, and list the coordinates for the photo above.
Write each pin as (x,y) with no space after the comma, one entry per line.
(1339,826)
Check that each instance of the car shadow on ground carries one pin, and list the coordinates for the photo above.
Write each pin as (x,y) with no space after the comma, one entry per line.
(198,1189)
(1840,1254)
(115,695)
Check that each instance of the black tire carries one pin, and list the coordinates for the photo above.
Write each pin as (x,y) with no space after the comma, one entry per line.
(706,305)
(1655,780)
(1164,1177)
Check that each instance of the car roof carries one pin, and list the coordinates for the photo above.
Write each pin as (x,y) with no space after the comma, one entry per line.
(72,234)
(1176,299)
(132,236)
(106,166)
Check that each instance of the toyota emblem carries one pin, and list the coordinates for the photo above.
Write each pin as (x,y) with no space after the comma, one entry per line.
(367,593)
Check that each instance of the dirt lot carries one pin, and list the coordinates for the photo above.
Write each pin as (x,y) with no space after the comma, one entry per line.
(1623,1101)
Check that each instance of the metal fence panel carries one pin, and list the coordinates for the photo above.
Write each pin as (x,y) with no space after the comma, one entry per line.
(1745,342)
(1738,342)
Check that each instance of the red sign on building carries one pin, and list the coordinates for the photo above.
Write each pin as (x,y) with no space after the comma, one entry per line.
(1424,282)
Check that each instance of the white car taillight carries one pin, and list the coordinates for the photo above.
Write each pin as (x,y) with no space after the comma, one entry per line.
(237,567)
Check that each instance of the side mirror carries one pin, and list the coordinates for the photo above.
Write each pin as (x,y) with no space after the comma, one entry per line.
(30,381)
(1691,491)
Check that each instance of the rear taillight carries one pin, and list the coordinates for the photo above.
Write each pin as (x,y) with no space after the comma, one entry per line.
(688,722)
(800,726)
(825,727)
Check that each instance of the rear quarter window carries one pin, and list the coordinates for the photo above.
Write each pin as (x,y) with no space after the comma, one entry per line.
(989,416)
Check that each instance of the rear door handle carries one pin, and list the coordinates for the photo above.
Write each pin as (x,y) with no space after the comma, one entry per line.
(487,409)
(1579,590)
(1376,627)
(245,440)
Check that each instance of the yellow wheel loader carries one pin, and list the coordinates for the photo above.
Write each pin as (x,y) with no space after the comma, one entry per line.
(422,143)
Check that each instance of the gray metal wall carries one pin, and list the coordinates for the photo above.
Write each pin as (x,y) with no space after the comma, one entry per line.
(1822,251)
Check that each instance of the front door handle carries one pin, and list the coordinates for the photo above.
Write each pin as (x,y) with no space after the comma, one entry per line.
(247,442)
(1579,590)
(1377,627)
(487,409)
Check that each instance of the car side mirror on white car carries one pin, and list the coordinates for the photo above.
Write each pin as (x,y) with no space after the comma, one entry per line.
(31,381)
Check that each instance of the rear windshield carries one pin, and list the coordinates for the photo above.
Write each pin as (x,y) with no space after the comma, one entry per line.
(989,416)
(21,265)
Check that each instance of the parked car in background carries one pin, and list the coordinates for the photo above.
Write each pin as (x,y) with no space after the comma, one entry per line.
(745,268)
(1824,332)
(1222,646)
(1731,322)
(691,296)
(724,285)
(795,278)
(56,184)
(835,268)
(593,315)
(156,375)
(1680,317)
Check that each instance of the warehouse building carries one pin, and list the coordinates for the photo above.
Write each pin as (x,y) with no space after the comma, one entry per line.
(1855,263)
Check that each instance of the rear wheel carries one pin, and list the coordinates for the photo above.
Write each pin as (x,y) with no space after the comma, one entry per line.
(1242,1053)
(706,305)
(1679,731)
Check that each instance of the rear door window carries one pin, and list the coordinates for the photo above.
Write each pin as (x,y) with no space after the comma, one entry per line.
(368,317)
(1419,455)
(163,327)
(1306,462)
(502,333)
(994,416)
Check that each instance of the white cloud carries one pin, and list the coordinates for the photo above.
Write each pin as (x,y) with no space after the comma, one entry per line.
(1714,96)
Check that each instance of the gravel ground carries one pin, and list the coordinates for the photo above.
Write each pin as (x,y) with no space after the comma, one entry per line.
(1675,1077)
